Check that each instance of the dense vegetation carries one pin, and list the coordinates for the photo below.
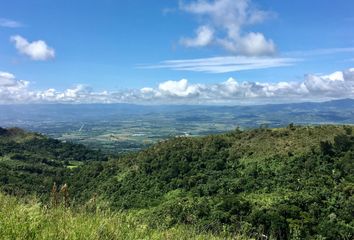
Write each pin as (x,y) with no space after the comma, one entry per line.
(290,183)
(30,220)
(31,163)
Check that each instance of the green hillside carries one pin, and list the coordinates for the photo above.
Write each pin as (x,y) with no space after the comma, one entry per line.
(31,163)
(289,183)
(19,220)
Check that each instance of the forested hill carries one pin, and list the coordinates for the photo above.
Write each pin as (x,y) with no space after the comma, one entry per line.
(288,183)
(31,163)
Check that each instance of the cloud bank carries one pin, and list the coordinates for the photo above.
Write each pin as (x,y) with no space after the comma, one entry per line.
(12,89)
(336,85)
(224,23)
(37,50)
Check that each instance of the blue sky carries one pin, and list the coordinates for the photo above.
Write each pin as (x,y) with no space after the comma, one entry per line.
(121,47)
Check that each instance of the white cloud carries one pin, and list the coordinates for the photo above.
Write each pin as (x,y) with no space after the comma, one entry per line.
(336,76)
(229,18)
(147,90)
(9,23)
(204,37)
(252,44)
(37,50)
(12,89)
(178,89)
(337,85)
(7,79)
(224,64)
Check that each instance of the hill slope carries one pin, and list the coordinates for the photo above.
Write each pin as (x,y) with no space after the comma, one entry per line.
(31,163)
(284,183)
(19,220)
(289,183)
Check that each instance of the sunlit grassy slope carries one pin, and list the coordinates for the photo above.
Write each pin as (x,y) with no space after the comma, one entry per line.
(31,220)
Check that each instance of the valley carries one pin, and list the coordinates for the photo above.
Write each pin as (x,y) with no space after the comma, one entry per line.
(120,128)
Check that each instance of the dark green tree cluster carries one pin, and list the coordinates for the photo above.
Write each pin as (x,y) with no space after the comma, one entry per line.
(31,163)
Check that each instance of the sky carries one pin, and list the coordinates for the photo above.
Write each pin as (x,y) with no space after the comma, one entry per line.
(176,51)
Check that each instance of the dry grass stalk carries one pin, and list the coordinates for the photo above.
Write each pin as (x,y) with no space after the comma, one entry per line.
(65,195)
(54,195)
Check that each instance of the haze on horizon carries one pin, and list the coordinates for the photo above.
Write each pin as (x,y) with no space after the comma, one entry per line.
(176,52)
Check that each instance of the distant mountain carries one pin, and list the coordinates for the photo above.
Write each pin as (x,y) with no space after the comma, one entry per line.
(127,127)
(87,112)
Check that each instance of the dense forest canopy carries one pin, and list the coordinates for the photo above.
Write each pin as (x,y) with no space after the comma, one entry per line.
(31,163)
(287,183)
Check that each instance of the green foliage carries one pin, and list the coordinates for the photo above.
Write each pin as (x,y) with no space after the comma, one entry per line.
(283,183)
(31,163)
(290,183)
(33,221)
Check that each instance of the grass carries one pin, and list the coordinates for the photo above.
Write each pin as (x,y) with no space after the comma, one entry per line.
(74,164)
(31,220)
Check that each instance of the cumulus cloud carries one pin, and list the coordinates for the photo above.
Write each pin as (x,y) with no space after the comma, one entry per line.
(36,50)
(204,36)
(9,23)
(178,89)
(336,85)
(251,44)
(7,79)
(339,84)
(229,19)
(12,89)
